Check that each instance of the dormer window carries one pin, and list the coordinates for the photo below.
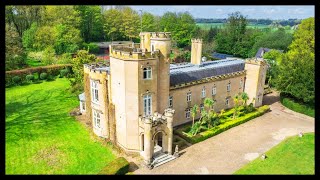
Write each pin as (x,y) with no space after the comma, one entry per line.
(147,73)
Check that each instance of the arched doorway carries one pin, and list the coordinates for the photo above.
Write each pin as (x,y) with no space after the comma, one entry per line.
(158,142)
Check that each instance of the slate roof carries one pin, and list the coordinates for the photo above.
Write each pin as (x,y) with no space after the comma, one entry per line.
(82,97)
(261,52)
(220,55)
(187,72)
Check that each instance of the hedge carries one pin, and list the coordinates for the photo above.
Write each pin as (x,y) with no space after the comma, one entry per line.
(297,106)
(119,166)
(222,127)
(22,73)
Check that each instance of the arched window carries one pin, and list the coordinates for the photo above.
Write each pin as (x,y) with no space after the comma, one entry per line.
(214,90)
(147,104)
(152,48)
(147,73)
(203,93)
(228,87)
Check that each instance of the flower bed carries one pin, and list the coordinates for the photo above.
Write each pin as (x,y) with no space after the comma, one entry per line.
(226,124)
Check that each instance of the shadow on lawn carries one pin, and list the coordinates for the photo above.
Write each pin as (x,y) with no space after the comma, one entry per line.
(35,117)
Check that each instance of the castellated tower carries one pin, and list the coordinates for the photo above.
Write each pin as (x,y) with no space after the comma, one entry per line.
(139,85)
(256,70)
(196,51)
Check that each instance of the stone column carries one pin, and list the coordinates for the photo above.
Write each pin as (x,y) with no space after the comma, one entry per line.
(148,140)
(169,115)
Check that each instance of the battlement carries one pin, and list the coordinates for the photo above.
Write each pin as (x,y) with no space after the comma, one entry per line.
(133,54)
(99,67)
(160,35)
(257,61)
(194,40)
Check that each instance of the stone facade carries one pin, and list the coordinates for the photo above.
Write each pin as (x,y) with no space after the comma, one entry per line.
(128,101)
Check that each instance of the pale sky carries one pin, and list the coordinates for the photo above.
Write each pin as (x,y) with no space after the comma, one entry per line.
(255,12)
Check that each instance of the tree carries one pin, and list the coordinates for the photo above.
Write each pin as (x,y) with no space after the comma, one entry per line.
(296,69)
(83,57)
(112,24)
(131,23)
(29,36)
(67,40)
(236,100)
(208,103)
(62,15)
(148,22)
(44,37)
(15,55)
(91,26)
(235,38)
(194,113)
(23,16)
(273,59)
(244,97)
(274,40)
(182,27)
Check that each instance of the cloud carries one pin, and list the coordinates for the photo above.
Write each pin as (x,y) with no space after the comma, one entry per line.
(296,11)
(219,11)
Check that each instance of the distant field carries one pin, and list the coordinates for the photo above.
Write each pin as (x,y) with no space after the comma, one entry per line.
(221,25)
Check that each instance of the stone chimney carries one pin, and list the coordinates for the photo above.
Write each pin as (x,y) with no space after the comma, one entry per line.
(196,51)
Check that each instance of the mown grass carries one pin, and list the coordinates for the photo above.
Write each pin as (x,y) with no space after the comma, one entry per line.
(41,137)
(292,156)
(296,106)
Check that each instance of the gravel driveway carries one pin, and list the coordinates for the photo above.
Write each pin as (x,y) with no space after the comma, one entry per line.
(232,149)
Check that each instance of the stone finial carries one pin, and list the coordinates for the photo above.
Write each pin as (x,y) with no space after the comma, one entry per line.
(176,151)
(169,112)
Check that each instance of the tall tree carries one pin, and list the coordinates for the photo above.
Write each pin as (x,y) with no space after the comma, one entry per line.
(29,36)
(194,112)
(279,39)
(131,23)
(91,25)
(23,16)
(236,39)
(296,69)
(112,24)
(65,15)
(148,22)
(15,55)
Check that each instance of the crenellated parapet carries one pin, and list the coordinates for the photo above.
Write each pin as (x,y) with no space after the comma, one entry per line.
(135,54)
(257,61)
(160,35)
(100,68)
(195,40)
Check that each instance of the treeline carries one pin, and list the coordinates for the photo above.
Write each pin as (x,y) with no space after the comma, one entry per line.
(50,34)
(290,22)
(240,41)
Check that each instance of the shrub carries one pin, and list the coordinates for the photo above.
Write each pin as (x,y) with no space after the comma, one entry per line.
(29,77)
(297,106)
(119,166)
(16,79)
(93,48)
(63,72)
(22,73)
(43,76)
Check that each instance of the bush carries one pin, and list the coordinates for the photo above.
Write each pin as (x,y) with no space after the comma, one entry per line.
(16,79)
(29,77)
(43,76)
(93,48)
(63,72)
(22,73)
(297,106)
(222,127)
(119,166)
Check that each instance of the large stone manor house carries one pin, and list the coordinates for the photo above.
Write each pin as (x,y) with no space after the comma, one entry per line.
(139,98)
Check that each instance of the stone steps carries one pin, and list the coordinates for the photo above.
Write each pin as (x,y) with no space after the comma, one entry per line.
(162,159)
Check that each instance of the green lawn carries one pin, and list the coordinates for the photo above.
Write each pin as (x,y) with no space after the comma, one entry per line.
(34,63)
(292,156)
(41,137)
